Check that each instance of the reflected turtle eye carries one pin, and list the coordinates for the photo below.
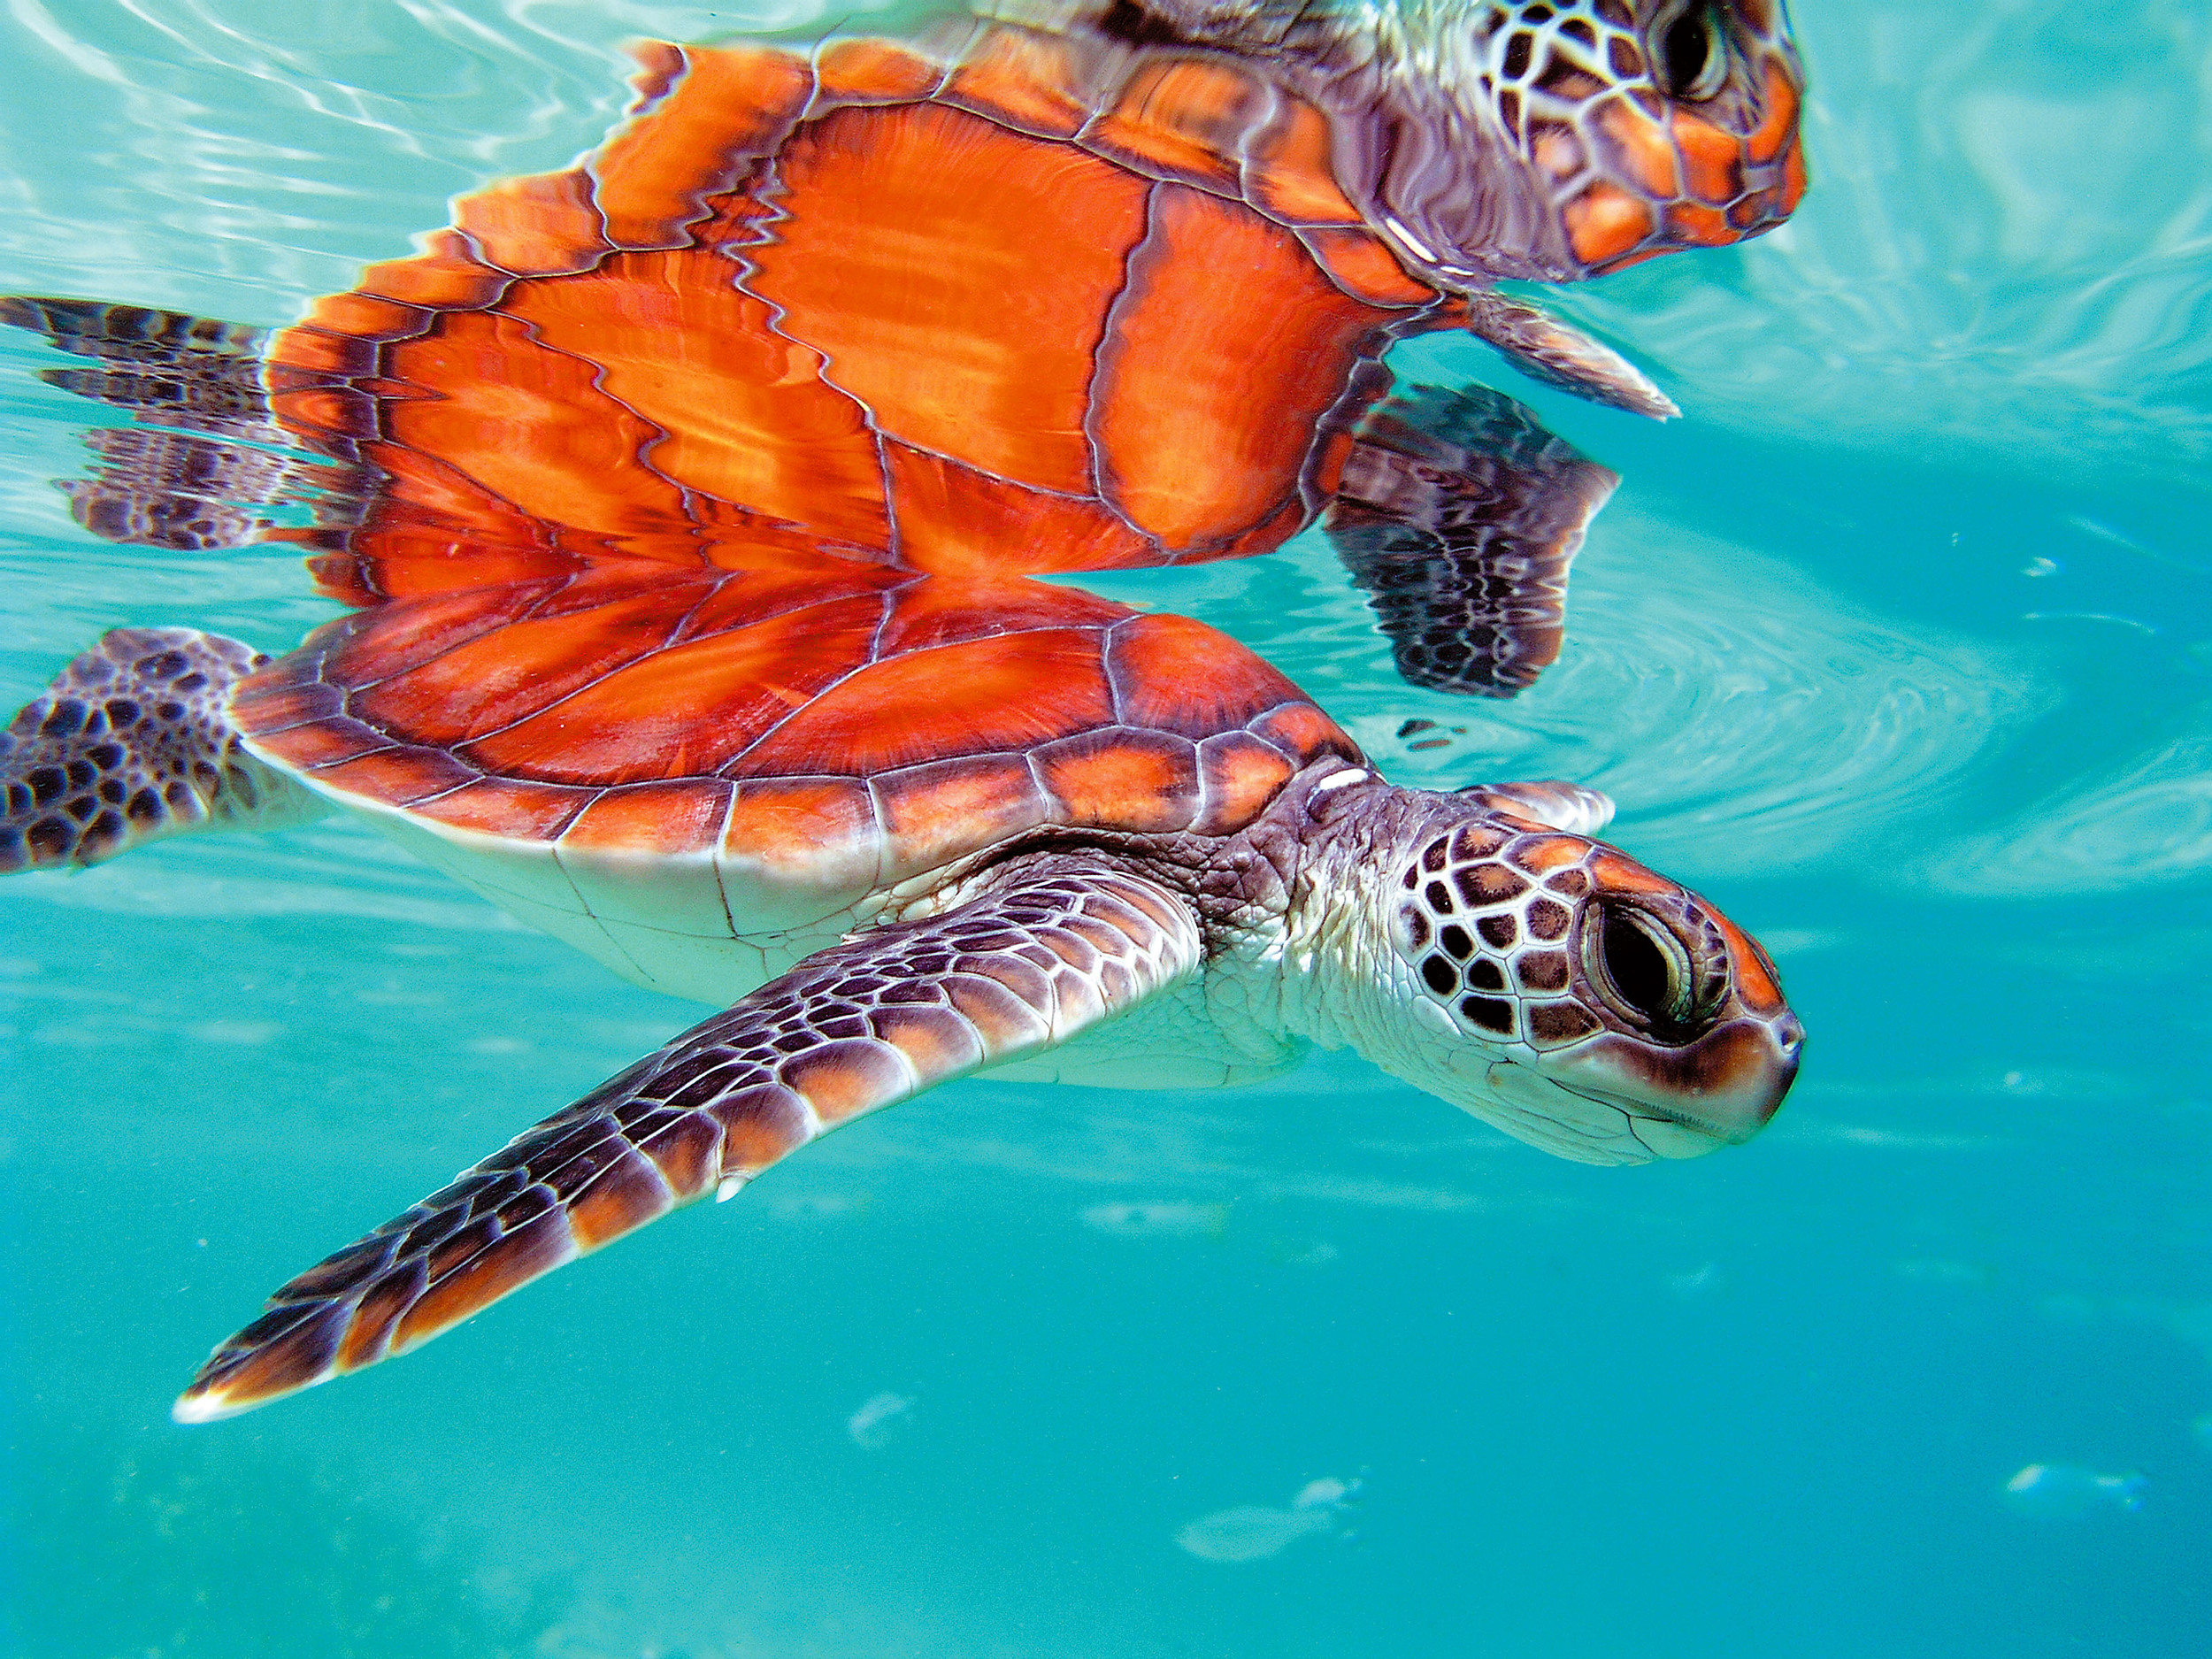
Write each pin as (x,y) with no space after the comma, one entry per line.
(1640,968)
(1688,47)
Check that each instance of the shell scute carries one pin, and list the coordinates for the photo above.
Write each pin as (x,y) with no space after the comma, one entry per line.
(668,819)
(1185,118)
(505,675)
(959,520)
(1365,268)
(979,697)
(933,814)
(1040,84)
(398,776)
(1122,779)
(871,72)
(364,651)
(509,806)
(533,426)
(776,436)
(312,744)
(980,351)
(729,108)
(445,276)
(547,225)
(1176,377)
(1288,173)
(1240,775)
(946,609)
(686,710)
(1173,674)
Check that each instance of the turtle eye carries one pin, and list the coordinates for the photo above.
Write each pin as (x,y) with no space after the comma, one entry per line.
(1640,969)
(1688,49)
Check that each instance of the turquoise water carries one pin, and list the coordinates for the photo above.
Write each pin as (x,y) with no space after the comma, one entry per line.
(1900,646)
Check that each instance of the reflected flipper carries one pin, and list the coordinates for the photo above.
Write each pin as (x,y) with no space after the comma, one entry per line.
(1059,943)
(1546,349)
(1459,515)
(208,456)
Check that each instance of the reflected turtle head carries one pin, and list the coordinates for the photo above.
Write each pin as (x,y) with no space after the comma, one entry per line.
(1599,133)
(1556,988)
(1550,140)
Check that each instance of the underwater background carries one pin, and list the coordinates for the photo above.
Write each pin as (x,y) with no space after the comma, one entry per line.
(1899,645)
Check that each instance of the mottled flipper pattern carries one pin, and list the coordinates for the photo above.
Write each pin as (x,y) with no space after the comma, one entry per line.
(208,458)
(131,742)
(1459,515)
(1056,944)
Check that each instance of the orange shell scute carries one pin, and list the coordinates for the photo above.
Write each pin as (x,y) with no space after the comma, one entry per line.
(1288,172)
(1121,779)
(684,817)
(1365,267)
(446,275)
(1240,774)
(653,177)
(1183,119)
(546,226)
(1035,83)
(872,71)
(510,807)
(933,814)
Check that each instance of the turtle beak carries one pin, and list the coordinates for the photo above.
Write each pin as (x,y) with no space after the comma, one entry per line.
(1719,1090)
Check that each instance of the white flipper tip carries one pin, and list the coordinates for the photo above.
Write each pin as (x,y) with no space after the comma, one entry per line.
(726,1188)
(207,1408)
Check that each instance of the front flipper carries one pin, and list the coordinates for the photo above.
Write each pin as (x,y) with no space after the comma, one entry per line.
(132,742)
(208,458)
(1546,349)
(1459,515)
(1056,944)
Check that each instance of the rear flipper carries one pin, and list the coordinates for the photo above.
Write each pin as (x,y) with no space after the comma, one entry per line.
(1459,515)
(209,458)
(130,742)
(1056,944)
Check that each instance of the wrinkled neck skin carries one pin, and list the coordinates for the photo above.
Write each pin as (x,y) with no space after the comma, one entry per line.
(1417,145)
(1322,940)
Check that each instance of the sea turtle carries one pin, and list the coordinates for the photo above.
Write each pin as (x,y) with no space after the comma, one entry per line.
(907,814)
(1106,291)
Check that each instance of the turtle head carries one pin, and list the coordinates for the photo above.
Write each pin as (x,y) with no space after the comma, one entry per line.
(1562,139)
(1550,140)
(1554,986)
